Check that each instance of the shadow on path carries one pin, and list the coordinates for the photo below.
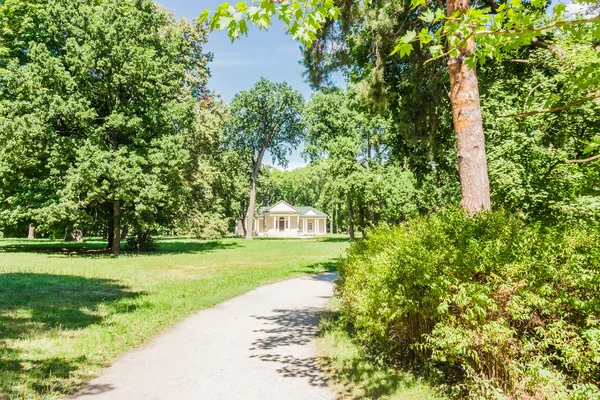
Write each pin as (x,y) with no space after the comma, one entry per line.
(288,328)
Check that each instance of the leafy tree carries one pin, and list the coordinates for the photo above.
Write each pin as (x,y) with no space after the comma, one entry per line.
(264,118)
(301,186)
(454,27)
(355,145)
(535,156)
(94,116)
(204,212)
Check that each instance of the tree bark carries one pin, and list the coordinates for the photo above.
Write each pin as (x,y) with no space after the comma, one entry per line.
(252,203)
(331,220)
(116,231)
(361,218)
(350,218)
(243,220)
(468,125)
(76,235)
(250,213)
(336,221)
(109,232)
(30,232)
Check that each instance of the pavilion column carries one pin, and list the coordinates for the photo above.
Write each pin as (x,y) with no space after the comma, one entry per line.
(289,223)
(274,222)
(316,225)
(304,225)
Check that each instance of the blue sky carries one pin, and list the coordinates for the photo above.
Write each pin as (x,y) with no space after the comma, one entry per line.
(237,66)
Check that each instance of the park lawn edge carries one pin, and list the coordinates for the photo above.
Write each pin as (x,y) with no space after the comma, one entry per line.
(157,312)
(352,375)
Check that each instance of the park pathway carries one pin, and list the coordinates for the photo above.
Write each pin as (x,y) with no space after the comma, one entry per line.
(255,346)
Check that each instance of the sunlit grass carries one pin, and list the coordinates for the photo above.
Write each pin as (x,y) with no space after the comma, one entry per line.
(66,310)
(353,375)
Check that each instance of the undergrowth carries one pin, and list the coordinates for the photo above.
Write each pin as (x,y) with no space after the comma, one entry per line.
(486,306)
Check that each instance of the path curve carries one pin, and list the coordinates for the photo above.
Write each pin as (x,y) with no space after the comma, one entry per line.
(255,346)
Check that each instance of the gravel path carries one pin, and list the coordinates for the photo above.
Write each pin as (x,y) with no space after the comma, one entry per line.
(255,346)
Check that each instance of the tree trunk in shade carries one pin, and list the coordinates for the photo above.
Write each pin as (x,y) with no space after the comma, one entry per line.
(350,217)
(331,220)
(243,221)
(116,231)
(468,125)
(109,230)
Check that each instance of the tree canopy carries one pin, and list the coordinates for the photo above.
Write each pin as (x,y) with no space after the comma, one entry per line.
(94,116)
(264,118)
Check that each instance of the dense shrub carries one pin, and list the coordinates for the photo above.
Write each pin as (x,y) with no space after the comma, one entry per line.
(140,240)
(489,306)
(209,226)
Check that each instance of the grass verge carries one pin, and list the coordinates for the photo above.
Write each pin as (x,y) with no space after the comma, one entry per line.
(68,310)
(353,375)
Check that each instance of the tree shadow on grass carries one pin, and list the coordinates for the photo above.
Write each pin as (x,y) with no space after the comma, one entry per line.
(325,266)
(334,239)
(97,248)
(176,247)
(34,306)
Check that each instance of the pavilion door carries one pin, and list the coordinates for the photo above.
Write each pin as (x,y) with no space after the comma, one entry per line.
(281,225)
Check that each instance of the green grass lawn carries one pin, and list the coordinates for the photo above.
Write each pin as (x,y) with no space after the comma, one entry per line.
(67,310)
(354,376)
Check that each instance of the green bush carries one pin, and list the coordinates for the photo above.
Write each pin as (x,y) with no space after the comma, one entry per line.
(489,306)
(209,226)
(140,240)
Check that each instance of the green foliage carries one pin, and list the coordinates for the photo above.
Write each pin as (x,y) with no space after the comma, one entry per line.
(141,240)
(304,18)
(301,186)
(354,375)
(265,118)
(209,226)
(360,176)
(97,103)
(490,306)
(528,156)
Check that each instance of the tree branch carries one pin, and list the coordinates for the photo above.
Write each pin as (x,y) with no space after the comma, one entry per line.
(541,28)
(552,109)
(583,161)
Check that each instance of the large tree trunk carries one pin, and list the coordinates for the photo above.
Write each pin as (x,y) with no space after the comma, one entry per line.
(468,125)
(76,235)
(30,232)
(361,218)
(116,232)
(243,221)
(350,217)
(110,226)
(250,213)
(331,220)
(337,221)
